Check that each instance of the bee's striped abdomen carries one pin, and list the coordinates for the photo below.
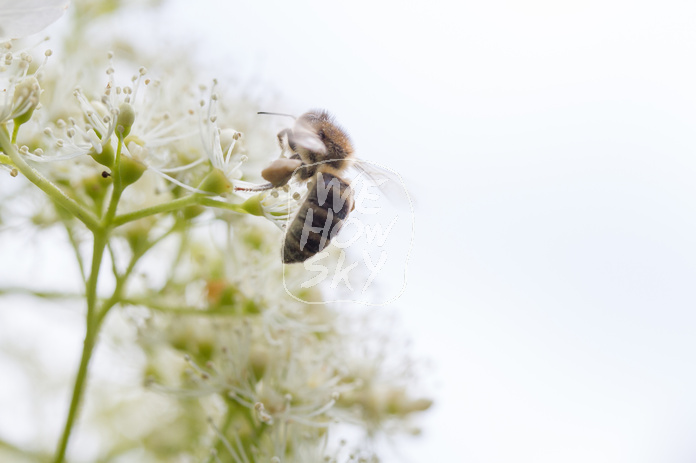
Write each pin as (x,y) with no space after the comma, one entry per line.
(328,203)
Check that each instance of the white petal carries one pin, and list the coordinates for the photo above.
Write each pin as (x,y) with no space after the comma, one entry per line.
(21,18)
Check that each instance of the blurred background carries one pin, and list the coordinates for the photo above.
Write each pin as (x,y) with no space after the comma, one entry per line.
(549,148)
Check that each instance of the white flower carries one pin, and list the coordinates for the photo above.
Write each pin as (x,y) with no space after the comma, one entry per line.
(20,18)
(219,144)
(20,91)
(281,204)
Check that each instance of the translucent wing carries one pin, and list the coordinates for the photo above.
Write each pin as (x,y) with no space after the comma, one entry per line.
(388,181)
(306,137)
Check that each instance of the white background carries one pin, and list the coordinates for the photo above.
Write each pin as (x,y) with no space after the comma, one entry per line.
(550,150)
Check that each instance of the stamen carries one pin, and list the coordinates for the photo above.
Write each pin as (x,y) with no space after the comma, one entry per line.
(262,414)
(227,444)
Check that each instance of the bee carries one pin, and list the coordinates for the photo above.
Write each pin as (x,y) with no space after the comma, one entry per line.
(321,151)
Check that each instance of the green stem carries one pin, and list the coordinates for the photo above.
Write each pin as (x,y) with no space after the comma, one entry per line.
(117,191)
(100,239)
(15,131)
(80,380)
(179,203)
(5,159)
(55,193)
(39,294)
(148,211)
(94,317)
(224,426)
(117,296)
(76,248)
(203,201)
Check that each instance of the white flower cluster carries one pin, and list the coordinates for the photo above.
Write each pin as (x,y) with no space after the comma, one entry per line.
(280,368)
(20,88)
(148,123)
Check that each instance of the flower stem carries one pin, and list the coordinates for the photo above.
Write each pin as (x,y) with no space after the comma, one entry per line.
(15,131)
(39,294)
(179,203)
(5,159)
(87,349)
(92,323)
(204,201)
(148,211)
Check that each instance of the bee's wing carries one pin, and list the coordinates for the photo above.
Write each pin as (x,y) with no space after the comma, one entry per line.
(389,182)
(306,137)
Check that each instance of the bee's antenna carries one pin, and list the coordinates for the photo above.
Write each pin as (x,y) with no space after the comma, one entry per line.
(277,114)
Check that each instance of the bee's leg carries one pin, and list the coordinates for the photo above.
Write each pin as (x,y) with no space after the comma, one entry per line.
(280,171)
(286,133)
(304,171)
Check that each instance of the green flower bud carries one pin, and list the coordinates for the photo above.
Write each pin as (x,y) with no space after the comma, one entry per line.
(25,99)
(253,205)
(215,183)
(96,188)
(126,117)
(130,170)
(137,236)
(106,157)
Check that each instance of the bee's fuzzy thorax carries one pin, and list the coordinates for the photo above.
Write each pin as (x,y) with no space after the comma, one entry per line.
(329,130)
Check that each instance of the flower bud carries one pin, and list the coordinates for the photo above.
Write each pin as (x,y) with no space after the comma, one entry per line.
(126,117)
(25,99)
(215,183)
(106,157)
(137,236)
(96,187)
(130,170)
(253,205)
